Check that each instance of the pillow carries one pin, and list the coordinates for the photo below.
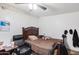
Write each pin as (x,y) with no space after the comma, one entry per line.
(32,37)
(46,38)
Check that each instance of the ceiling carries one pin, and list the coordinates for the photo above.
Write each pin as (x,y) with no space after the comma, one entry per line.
(52,8)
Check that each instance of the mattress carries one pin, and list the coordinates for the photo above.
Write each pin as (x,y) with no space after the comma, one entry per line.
(41,46)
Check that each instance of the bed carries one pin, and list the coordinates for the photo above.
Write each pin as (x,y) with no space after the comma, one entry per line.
(39,46)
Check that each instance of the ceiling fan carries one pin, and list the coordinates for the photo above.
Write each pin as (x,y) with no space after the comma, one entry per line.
(38,5)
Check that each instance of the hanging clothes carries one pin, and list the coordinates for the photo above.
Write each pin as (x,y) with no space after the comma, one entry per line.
(75,38)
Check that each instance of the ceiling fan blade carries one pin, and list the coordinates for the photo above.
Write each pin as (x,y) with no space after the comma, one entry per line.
(44,8)
(19,3)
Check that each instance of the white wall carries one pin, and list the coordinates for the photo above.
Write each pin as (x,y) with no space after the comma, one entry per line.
(17,20)
(54,26)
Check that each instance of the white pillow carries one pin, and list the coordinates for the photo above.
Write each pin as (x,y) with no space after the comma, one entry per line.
(32,37)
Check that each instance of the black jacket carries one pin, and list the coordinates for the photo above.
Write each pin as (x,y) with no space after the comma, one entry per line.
(75,39)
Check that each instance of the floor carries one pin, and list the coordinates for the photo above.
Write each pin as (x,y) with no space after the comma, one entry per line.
(72,52)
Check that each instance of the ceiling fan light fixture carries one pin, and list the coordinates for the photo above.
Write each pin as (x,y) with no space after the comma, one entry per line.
(35,6)
(32,6)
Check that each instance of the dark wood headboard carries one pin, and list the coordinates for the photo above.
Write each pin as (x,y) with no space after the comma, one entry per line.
(30,31)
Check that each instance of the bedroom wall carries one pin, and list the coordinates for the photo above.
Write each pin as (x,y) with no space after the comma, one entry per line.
(54,26)
(17,20)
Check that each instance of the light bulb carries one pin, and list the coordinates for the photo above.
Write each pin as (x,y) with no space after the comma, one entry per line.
(34,6)
(30,6)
